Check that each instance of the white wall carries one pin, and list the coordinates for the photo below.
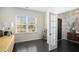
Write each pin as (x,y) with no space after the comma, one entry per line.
(8,15)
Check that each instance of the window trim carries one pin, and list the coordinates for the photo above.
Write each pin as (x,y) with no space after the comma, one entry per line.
(27,26)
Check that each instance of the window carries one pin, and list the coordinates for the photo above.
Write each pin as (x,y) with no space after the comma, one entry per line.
(26,24)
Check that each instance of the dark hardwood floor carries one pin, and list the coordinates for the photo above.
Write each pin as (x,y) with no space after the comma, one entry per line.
(42,46)
(31,46)
(66,46)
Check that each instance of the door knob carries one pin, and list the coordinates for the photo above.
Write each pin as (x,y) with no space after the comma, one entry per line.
(50,34)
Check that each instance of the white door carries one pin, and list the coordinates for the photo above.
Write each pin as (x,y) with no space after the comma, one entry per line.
(52,31)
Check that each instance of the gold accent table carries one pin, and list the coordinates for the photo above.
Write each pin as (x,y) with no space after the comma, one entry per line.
(7,43)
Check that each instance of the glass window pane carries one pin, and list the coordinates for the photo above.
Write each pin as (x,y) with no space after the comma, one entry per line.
(21,28)
(21,20)
(31,20)
(31,28)
(26,21)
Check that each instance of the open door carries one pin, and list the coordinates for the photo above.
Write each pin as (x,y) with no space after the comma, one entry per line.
(52,31)
(59,29)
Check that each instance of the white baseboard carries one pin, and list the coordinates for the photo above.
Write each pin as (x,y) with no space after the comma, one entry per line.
(18,41)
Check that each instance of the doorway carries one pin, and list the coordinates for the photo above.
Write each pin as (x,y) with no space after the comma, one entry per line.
(59,29)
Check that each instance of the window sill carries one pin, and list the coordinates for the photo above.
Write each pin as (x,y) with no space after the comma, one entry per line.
(25,32)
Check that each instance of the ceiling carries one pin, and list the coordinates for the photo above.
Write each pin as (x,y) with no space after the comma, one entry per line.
(56,10)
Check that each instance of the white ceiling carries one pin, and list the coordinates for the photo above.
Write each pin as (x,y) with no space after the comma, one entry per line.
(55,10)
